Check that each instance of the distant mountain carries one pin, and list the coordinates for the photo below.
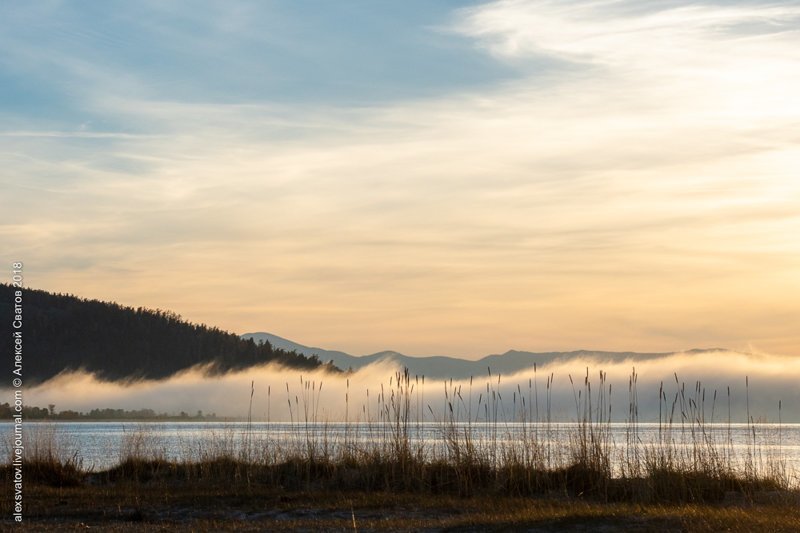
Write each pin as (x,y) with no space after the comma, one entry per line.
(442,367)
(64,332)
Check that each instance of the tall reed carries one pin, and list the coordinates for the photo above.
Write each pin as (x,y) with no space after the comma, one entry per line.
(488,437)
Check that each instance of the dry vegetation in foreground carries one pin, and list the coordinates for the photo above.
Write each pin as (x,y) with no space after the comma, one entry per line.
(686,480)
(214,507)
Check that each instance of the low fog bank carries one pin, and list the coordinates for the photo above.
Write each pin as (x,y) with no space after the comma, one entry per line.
(281,394)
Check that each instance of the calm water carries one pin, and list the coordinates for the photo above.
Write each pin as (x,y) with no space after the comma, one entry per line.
(101,444)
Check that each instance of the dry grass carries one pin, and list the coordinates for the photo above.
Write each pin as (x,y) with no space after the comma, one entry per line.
(213,507)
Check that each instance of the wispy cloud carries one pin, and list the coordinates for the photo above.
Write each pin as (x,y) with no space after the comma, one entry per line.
(74,134)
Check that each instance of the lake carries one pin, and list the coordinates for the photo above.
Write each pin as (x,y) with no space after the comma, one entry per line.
(100,445)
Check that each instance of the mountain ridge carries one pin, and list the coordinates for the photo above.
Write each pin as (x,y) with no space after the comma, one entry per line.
(440,366)
(120,343)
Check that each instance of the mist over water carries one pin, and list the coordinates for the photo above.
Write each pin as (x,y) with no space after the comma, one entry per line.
(719,383)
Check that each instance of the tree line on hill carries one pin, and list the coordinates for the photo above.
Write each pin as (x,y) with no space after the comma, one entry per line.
(63,332)
(49,413)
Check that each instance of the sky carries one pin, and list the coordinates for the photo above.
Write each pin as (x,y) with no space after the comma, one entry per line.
(455,178)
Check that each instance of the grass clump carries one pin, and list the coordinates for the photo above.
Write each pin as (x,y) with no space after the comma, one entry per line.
(48,460)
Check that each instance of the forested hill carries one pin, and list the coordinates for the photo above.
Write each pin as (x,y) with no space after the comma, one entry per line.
(63,332)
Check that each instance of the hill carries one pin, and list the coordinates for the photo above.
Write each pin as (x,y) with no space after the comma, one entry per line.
(444,367)
(63,332)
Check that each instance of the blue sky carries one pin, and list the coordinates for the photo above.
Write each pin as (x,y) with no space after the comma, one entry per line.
(334,53)
(431,177)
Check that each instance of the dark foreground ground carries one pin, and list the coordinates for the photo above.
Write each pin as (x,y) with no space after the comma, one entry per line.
(182,507)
